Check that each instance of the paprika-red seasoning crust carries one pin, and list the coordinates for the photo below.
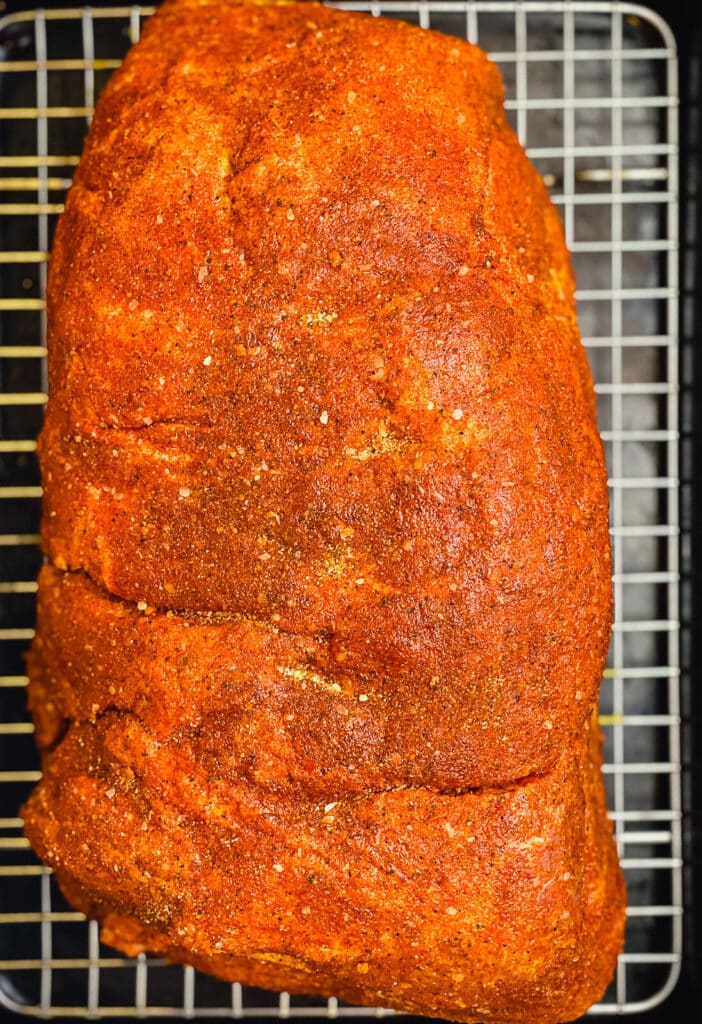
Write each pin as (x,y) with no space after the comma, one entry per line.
(326,510)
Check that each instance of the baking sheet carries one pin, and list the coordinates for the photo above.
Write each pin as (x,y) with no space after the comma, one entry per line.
(591,89)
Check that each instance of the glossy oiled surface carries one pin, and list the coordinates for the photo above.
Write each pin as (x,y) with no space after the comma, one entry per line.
(316,383)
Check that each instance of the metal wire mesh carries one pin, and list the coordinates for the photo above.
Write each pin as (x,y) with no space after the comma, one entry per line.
(591,89)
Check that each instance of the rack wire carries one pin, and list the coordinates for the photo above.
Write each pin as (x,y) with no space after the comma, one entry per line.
(592,91)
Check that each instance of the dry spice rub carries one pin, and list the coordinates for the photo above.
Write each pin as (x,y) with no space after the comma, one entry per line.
(328,600)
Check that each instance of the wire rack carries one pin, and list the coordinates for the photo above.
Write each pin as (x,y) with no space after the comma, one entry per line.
(591,90)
